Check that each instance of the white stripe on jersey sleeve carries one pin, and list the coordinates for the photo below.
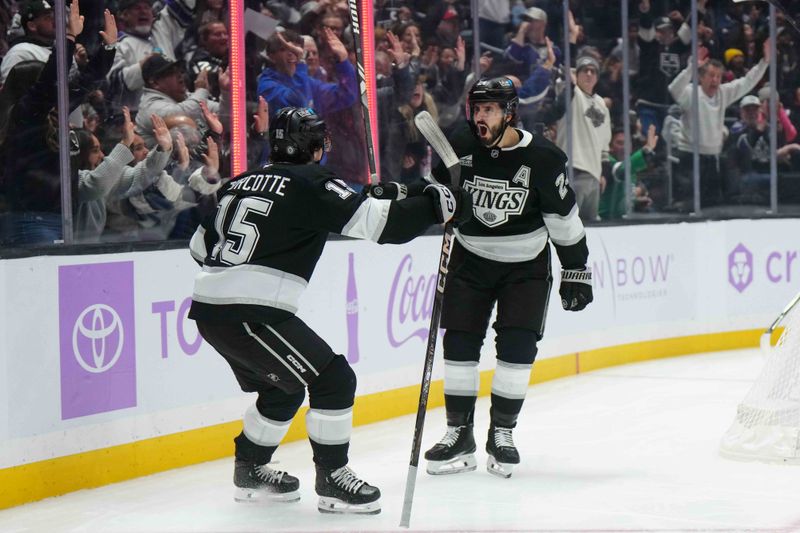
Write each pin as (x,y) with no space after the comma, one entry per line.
(564,230)
(197,245)
(369,220)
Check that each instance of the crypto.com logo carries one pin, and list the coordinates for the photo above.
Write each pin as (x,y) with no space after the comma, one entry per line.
(740,268)
(102,327)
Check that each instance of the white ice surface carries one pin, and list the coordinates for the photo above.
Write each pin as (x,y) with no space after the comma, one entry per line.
(630,448)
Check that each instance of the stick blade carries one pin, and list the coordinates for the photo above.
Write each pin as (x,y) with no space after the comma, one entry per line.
(411,479)
(433,134)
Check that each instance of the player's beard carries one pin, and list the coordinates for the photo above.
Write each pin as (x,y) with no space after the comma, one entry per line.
(488,135)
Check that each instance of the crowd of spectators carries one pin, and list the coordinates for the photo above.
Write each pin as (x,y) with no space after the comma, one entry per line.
(149,108)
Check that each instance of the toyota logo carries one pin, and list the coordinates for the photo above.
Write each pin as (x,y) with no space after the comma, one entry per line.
(97,323)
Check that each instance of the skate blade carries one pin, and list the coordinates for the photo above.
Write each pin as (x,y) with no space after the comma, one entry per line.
(456,465)
(243,495)
(330,505)
(503,470)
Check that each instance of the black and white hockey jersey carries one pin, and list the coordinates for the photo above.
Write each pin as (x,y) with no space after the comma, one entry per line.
(260,249)
(520,196)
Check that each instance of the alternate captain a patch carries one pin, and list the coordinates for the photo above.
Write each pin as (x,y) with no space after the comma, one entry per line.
(523,176)
(493,201)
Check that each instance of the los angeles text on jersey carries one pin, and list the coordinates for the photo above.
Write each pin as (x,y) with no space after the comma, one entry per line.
(261,183)
(494,201)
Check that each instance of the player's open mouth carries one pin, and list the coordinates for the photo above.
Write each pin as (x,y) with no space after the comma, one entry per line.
(483,130)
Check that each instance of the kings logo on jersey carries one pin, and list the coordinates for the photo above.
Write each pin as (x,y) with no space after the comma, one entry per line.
(493,201)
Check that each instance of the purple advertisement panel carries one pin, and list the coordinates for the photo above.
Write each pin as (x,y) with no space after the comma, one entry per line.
(96,331)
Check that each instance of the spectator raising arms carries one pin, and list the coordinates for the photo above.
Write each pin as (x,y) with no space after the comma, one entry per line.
(714,99)
(591,128)
(287,82)
(165,94)
(32,170)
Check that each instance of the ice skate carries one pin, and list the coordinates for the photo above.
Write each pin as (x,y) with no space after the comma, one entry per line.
(454,453)
(503,455)
(342,492)
(260,483)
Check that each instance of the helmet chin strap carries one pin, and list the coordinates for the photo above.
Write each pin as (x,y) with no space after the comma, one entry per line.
(499,136)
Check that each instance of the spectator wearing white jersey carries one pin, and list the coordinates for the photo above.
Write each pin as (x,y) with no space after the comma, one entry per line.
(591,133)
(38,23)
(141,35)
(714,98)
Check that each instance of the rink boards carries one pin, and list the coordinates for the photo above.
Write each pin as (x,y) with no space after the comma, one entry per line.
(104,378)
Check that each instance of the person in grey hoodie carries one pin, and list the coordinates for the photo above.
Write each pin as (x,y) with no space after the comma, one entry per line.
(165,94)
(104,178)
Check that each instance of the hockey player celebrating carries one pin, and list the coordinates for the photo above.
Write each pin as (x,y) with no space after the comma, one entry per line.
(521,199)
(258,253)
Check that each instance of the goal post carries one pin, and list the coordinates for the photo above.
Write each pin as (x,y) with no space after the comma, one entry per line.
(767,423)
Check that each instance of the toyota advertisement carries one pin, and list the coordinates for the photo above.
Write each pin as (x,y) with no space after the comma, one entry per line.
(99,351)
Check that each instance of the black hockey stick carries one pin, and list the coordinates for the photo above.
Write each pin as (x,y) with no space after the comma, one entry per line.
(355,21)
(430,130)
(790,19)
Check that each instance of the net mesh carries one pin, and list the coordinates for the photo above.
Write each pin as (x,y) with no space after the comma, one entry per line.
(767,424)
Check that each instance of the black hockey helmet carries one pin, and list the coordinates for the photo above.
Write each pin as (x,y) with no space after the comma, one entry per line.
(500,90)
(295,134)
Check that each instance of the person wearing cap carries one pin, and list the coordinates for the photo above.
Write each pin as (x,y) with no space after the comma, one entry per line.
(529,45)
(735,64)
(750,147)
(449,28)
(142,33)
(591,133)
(714,98)
(165,94)
(660,52)
(750,115)
(32,168)
(36,44)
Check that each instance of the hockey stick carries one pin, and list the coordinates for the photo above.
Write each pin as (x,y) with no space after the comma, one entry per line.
(790,19)
(430,130)
(355,21)
(766,337)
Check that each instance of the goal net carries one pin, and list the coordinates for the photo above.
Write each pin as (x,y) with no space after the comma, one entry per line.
(767,423)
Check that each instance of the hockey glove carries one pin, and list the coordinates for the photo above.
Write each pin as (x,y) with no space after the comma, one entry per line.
(390,190)
(450,203)
(576,289)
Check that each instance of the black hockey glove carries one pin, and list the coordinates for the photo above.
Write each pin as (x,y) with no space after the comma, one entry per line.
(576,289)
(450,202)
(390,190)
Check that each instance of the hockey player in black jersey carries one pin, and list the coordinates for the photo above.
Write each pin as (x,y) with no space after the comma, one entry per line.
(258,253)
(521,200)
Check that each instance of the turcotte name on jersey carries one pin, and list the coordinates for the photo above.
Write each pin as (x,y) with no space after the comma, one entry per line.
(494,201)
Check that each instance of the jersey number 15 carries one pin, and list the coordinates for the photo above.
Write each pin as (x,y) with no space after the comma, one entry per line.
(238,240)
